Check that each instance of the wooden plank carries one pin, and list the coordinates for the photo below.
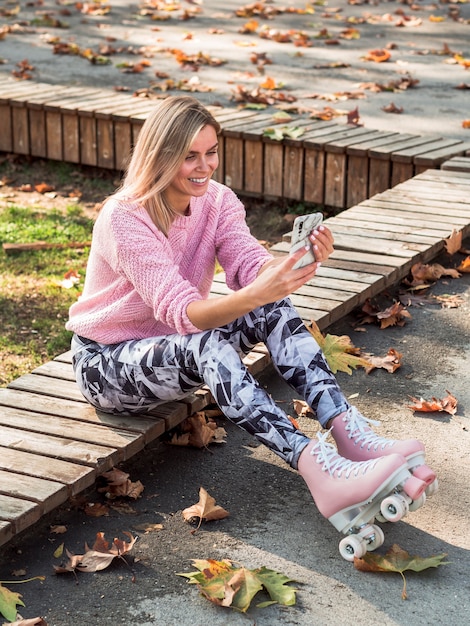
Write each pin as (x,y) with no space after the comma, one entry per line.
(55,369)
(273,168)
(457,164)
(19,119)
(314,176)
(436,157)
(294,159)
(314,161)
(148,427)
(76,477)
(6,529)
(122,144)
(407,213)
(37,132)
(20,513)
(127,442)
(43,385)
(253,152)
(94,455)
(391,228)
(403,161)
(6,145)
(48,494)
(173,413)
(380,168)
(70,137)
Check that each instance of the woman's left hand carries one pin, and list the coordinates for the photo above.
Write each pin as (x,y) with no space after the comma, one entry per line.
(322,242)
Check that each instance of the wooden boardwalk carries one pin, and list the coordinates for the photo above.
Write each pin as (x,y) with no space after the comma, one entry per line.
(53,445)
(330,164)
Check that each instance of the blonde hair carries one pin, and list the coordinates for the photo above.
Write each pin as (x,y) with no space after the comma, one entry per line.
(162,145)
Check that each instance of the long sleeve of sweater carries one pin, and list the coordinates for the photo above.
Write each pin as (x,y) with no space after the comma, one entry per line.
(139,283)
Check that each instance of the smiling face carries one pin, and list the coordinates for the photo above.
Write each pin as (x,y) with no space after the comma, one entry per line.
(192,179)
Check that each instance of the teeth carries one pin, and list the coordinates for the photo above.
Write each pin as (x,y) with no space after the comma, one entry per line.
(198,180)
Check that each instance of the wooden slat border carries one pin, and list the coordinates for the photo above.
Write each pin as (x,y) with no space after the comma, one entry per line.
(331,164)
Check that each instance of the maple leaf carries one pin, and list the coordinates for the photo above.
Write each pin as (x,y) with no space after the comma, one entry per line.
(394,315)
(378,56)
(9,600)
(235,587)
(398,560)
(302,408)
(447,404)
(391,361)
(454,242)
(392,108)
(278,133)
(198,430)
(465,265)
(205,509)
(423,274)
(339,351)
(33,621)
(120,485)
(97,558)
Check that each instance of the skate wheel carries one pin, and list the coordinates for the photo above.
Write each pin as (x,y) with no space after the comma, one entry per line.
(417,504)
(432,488)
(375,540)
(394,508)
(380,518)
(352,546)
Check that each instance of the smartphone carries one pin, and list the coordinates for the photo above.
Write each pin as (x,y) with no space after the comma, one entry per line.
(303,226)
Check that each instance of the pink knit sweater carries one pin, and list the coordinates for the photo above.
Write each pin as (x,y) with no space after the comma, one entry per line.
(139,283)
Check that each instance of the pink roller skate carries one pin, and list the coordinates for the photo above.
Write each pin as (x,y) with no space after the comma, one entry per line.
(352,494)
(357,441)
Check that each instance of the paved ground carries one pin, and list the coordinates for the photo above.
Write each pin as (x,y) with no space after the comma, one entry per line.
(423,40)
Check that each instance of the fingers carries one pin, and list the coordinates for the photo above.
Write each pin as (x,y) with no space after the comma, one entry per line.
(322,242)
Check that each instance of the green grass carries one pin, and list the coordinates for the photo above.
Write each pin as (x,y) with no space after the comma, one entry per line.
(33,303)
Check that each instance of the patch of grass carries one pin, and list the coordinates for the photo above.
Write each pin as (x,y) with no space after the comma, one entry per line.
(33,303)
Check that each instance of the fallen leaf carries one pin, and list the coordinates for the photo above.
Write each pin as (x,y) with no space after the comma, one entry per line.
(197,430)
(424,274)
(453,243)
(378,56)
(302,408)
(465,265)
(9,600)
(447,405)
(397,560)
(97,558)
(392,108)
(206,509)
(235,587)
(339,351)
(119,485)
(390,362)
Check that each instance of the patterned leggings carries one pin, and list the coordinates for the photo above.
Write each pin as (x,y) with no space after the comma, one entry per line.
(138,375)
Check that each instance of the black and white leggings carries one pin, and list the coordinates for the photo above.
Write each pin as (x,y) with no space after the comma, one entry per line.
(138,375)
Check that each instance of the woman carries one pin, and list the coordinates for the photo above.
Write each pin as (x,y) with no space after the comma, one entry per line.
(146,331)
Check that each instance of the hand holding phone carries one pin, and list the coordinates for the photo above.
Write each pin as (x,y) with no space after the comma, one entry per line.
(303,226)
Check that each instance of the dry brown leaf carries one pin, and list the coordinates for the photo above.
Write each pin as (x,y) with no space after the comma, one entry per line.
(199,431)
(302,409)
(390,362)
(119,485)
(447,404)
(206,509)
(464,266)
(99,556)
(423,274)
(454,242)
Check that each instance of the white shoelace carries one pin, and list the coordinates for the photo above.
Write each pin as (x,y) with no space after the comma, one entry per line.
(358,427)
(327,454)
